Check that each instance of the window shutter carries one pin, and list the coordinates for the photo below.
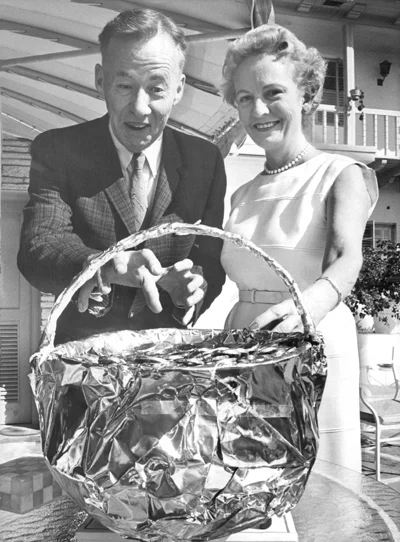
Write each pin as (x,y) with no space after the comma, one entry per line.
(9,391)
(369,235)
(333,93)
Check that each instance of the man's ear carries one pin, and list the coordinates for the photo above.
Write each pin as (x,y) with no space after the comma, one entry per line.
(99,78)
(180,89)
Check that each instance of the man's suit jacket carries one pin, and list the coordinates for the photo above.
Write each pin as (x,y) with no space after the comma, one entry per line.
(79,205)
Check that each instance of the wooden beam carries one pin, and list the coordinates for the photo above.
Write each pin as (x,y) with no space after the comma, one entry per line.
(202,85)
(62,112)
(40,104)
(366,18)
(187,129)
(356,10)
(19,121)
(64,83)
(22,60)
(305,5)
(43,33)
(36,75)
(185,21)
(217,36)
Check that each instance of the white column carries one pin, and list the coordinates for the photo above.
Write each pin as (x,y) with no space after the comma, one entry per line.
(349,82)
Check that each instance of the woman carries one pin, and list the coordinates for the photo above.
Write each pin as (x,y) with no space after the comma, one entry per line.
(307,209)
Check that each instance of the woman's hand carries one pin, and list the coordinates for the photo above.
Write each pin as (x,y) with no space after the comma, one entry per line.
(282,317)
(319,299)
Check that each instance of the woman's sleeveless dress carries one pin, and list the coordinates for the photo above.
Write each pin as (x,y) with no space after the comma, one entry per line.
(285,215)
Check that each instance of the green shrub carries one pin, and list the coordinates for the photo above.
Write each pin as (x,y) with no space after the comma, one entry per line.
(378,285)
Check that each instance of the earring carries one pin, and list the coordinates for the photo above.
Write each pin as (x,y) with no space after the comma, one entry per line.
(306,107)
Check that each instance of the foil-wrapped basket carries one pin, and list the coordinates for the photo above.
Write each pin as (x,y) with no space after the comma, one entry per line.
(168,434)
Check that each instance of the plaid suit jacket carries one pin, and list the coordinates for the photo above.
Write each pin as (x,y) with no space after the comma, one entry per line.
(79,205)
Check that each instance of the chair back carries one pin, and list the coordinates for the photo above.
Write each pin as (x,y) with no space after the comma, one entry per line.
(396,369)
(378,352)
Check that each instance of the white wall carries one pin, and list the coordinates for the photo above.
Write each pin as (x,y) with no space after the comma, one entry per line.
(388,206)
(386,96)
(326,36)
(372,45)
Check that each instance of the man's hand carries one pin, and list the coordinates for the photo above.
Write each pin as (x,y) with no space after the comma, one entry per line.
(183,286)
(137,269)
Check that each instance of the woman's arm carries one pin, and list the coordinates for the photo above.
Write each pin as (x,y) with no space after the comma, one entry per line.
(348,203)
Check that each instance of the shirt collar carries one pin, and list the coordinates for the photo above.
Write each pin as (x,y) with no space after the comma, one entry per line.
(152,153)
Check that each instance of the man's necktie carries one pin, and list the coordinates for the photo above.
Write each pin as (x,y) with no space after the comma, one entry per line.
(139,189)
(99,304)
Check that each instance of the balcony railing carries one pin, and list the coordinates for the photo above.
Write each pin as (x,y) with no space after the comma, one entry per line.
(379,128)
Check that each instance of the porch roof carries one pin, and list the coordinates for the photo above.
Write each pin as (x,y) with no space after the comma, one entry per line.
(48,49)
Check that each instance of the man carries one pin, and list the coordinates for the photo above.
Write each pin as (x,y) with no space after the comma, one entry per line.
(97,182)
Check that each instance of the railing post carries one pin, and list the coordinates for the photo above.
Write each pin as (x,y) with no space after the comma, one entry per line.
(324,127)
(364,130)
(349,83)
(375,128)
(386,132)
(336,127)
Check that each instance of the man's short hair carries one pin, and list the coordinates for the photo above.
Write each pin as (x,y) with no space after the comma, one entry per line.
(142,25)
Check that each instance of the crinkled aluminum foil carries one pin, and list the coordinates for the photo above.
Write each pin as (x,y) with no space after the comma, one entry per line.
(161,440)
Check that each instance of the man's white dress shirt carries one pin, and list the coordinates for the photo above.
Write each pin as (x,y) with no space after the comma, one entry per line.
(151,165)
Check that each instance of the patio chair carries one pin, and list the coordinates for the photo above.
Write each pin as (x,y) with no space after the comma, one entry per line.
(396,373)
(380,404)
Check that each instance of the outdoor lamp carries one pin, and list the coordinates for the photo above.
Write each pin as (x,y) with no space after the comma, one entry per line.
(384,70)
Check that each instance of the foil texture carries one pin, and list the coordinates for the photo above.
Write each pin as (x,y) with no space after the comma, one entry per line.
(172,434)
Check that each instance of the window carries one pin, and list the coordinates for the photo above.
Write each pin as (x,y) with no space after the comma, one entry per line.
(333,93)
(379,231)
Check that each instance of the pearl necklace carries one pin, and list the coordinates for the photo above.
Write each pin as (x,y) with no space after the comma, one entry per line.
(289,165)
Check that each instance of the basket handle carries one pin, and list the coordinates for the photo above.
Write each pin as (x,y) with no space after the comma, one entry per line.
(179,228)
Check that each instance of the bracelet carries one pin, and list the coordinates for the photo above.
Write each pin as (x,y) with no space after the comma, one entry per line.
(335,287)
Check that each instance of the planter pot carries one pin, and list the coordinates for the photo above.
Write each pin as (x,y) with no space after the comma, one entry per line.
(391,327)
(366,324)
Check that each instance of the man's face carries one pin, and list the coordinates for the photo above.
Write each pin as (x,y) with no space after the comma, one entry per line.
(141,82)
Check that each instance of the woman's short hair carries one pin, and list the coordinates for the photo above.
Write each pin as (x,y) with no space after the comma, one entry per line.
(142,25)
(309,66)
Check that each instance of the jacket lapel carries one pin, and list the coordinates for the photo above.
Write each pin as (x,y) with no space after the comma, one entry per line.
(171,172)
(113,182)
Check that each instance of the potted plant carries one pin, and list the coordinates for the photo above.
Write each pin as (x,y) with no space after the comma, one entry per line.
(376,292)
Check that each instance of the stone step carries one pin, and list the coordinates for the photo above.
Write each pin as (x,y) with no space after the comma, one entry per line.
(25,484)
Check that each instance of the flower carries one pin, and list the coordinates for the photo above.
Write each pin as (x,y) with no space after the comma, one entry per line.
(378,285)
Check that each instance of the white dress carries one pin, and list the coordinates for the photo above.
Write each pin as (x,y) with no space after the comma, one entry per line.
(285,215)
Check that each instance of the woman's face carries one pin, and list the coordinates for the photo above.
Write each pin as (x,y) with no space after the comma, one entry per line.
(269,102)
